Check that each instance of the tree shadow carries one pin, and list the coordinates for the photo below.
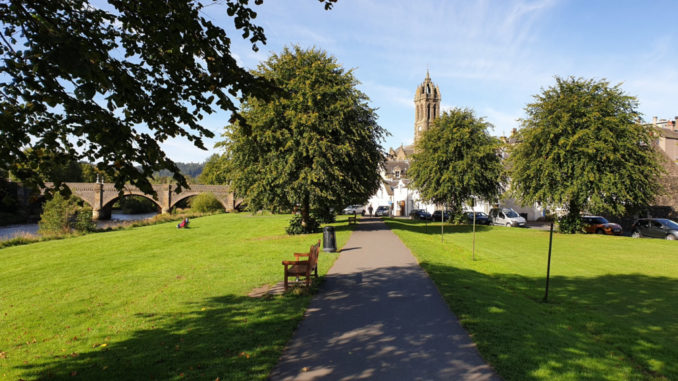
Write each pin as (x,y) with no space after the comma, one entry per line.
(386,323)
(608,327)
(228,337)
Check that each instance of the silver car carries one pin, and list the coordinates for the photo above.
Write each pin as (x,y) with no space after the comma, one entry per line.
(507,217)
(357,209)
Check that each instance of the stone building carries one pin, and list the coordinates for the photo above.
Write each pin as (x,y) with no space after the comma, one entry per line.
(395,191)
(426,106)
(666,204)
(667,140)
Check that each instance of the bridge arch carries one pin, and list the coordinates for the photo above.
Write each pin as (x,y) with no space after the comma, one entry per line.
(110,200)
(184,196)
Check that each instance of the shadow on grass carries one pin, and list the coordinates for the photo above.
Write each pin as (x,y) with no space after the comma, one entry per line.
(614,327)
(229,337)
(608,327)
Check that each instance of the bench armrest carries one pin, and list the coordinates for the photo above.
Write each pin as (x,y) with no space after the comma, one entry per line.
(297,255)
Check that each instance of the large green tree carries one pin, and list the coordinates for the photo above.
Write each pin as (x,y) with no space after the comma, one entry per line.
(456,159)
(214,170)
(314,145)
(581,148)
(107,82)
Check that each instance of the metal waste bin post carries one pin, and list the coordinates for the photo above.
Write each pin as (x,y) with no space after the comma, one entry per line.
(329,239)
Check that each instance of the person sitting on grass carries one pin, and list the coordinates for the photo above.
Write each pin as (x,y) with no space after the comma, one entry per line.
(183,224)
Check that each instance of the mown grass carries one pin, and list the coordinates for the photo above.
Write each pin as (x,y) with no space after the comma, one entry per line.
(152,302)
(612,307)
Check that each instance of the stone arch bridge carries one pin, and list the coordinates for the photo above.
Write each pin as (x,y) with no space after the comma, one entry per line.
(102,196)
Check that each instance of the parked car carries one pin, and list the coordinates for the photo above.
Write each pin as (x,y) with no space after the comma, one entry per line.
(481,218)
(382,210)
(655,228)
(436,215)
(600,225)
(507,217)
(420,214)
(358,209)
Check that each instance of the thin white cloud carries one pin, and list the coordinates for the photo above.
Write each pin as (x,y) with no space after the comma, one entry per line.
(390,94)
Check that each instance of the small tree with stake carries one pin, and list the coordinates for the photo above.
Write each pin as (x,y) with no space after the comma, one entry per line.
(456,159)
(581,147)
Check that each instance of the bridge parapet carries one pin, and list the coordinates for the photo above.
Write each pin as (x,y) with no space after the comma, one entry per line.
(101,196)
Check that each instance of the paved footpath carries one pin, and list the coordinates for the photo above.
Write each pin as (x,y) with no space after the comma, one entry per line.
(378,316)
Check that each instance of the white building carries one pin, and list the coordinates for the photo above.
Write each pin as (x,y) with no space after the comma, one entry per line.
(395,190)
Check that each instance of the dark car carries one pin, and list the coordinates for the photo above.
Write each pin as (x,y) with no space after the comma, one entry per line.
(382,210)
(655,228)
(420,214)
(600,225)
(481,218)
(436,215)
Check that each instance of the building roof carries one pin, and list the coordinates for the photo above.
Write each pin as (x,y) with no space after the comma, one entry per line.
(401,153)
(390,165)
(667,133)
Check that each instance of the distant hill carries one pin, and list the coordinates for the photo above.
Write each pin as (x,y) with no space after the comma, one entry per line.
(187,169)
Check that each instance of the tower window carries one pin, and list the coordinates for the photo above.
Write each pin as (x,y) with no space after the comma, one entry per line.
(428,89)
(428,112)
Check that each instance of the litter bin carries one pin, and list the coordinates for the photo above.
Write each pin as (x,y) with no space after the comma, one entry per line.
(329,239)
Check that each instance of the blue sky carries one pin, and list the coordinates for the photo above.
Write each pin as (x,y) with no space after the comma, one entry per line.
(491,56)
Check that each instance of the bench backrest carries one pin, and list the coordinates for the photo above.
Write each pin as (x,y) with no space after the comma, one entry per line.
(313,256)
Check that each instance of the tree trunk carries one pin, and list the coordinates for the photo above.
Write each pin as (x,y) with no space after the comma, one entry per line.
(571,223)
(305,214)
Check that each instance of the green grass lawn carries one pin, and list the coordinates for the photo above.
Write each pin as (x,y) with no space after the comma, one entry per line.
(152,302)
(613,302)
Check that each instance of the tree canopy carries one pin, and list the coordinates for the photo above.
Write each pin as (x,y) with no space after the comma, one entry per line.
(314,145)
(581,147)
(108,83)
(214,170)
(456,159)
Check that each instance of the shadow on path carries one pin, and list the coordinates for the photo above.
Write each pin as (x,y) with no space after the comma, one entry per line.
(378,316)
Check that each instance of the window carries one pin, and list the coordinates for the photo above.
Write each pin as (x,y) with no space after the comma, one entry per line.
(397,174)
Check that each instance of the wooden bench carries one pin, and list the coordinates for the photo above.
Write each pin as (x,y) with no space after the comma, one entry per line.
(352,220)
(305,268)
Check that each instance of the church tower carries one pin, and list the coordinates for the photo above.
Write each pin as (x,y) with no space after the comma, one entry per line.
(426,106)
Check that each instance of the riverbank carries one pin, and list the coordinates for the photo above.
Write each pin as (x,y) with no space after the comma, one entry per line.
(118,218)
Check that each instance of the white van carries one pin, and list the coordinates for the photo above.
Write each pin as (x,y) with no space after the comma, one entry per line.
(507,217)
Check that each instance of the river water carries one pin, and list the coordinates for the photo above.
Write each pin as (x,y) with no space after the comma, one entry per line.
(117,218)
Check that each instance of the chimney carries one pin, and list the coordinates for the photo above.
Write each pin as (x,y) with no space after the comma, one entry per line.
(654,120)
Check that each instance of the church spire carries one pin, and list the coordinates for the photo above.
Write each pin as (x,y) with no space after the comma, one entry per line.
(426,106)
